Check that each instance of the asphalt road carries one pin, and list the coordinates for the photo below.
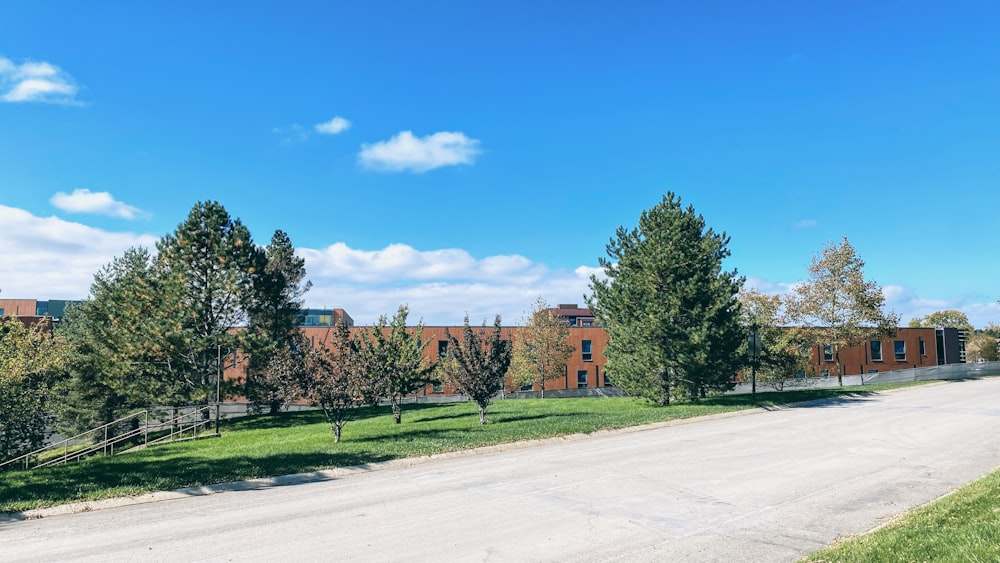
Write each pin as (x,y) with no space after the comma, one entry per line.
(765,486)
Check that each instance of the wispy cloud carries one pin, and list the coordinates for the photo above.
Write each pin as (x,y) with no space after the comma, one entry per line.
(83,200)
(50,258)
(293,133)
(336,125)
(36,82)
(806,224)
(419,154)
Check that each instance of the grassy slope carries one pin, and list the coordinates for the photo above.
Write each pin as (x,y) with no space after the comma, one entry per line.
(964,526)
(297,442)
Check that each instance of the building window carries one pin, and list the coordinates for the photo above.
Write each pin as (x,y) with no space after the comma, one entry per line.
(1,312)
(824,373)
(607,382)
(872,371)
(923,347)
(528,387)
(899,347)
(585,347)
(442,348)
(876,349)
(581,378)
(586,323)
(827,353)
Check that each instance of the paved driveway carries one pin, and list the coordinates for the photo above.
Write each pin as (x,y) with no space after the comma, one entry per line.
(766,486)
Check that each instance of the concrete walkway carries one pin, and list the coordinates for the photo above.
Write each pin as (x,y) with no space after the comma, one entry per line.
(766,486)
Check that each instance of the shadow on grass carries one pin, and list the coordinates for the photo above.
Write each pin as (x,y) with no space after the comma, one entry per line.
(92,479)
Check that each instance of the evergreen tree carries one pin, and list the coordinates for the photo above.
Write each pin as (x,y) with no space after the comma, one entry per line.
(670,310)
(209,262)
(273,314)
(123,345)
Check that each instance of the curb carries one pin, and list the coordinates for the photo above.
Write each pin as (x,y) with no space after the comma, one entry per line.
(342,472)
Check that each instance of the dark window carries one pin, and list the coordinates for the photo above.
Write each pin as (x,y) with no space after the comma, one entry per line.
(827,353)
(899,348)
(581,378)
(528,387)
(585,348)
(442,348)
(1,312)
(872,371)
(876,348)
(923,347)
(824,373)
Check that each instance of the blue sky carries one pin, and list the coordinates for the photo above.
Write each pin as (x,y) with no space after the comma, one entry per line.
(470,157)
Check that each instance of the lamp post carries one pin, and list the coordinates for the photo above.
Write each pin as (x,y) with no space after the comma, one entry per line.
(753,350)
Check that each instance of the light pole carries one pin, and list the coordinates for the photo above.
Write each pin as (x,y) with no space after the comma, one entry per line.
(753,350)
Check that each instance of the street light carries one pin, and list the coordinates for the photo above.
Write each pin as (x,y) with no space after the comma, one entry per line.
(753,350)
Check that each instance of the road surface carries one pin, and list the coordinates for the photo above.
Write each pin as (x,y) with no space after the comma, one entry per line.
(766,486)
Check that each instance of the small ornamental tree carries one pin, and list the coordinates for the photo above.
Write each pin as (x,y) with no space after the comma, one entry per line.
(408,371)
(540,348)
(330,380)
(837,306)
(477,364)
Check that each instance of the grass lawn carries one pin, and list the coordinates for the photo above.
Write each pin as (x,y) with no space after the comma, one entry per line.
(265,446)
(964,526)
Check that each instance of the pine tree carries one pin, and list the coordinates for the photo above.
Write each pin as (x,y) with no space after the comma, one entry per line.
(670,310)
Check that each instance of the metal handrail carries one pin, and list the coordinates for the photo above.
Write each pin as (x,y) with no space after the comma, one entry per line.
(177,429)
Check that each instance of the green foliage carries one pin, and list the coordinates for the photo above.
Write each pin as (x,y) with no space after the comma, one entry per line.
(156,329)
(783,351)
(209,264)
(273,313)
(31,360)
(123,343)
(670,310)
(408,371)
(477,364)
(950,318)
(982,347)
(837,306)
(540,348)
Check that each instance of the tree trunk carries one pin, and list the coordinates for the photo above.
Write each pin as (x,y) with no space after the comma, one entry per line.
(397,411)
(543,387)
(482,414)
(840,377)
(336,432)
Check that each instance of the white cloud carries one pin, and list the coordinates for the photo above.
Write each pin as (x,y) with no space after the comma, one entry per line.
(36,82)
(419,154)
(49,258)
(83,200)
(336,125)
(806,224)
(439,285)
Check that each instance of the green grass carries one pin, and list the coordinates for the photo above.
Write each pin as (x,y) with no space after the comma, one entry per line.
(266,446)
(964,526)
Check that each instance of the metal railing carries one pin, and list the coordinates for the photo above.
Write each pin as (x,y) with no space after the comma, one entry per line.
(105,440)
(947,371)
